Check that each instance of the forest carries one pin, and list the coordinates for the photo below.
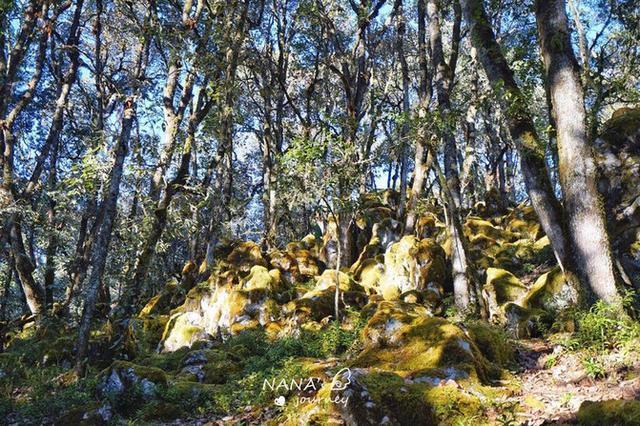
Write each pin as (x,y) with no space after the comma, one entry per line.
(311,212)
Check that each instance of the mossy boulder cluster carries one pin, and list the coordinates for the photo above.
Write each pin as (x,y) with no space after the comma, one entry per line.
(401,354)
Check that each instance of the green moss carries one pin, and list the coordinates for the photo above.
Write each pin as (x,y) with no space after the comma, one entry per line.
(219,372)
(420,403)
(613,412)
(552,291)
(259,278)
(453,406)
(623,123)
(405,403)
(145,333)
(506,286)
(169,361)
(493,342)
(422,345)
(153,374)
(161,411)
(158,304)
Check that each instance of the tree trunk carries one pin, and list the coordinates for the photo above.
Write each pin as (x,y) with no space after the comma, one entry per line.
(521,127)
(450,181)
(33,292)
(584,213)
(404,130)
(221,204)
(101,245)
(442,78)
(159,218)
(423,157)
(467,181)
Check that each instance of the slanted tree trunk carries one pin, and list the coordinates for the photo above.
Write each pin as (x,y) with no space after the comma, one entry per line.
(584,213)
(53,143)
(521,127)
(24,266)
(173,117)
(101,244)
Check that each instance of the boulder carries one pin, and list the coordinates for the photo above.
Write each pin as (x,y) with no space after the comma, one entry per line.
(405,338)
(287,264)
(611,412)
(386,232)
(221,307)
(369,274)
(126,378)
(210,366)
(552,292)
(617,153)
(244,256)
(501,287)
(329,278)
(145,333)
(413,264)
(308,264)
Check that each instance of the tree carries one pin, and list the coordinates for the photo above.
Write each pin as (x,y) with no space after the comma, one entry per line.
(521,126)
(584,213)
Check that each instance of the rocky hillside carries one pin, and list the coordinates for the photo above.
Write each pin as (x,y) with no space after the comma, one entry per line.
(254,339)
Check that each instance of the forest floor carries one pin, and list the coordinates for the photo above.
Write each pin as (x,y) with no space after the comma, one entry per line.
(554,383)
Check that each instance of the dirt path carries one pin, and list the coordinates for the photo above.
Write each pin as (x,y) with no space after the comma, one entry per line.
(554,383)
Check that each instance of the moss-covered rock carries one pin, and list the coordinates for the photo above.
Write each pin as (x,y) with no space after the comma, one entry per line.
(287,264)
(413,264)
(505,285)
(501,287)
(383,397)
(126,378)
(244,256)
(158,304)
(329,278)
(612,412)
(405,339)
(386,232)
(552,292)
(261,278)
(223,306)
(369,274)
(493,342)
(617,153)
(145,333)
(308,264)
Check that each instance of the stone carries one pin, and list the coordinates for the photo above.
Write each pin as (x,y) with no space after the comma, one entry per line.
(413,264)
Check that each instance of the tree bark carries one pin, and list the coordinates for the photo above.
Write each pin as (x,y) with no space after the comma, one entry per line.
(442,81)
(584,213)
(404,130)
(521,127)
(422,159)
(221,203)
(101,245)
(159,219)
(450,182)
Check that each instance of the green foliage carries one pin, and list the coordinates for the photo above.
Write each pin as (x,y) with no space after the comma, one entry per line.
(594,367)
(493,342)
(39,393)
(507,413)
(604,327)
